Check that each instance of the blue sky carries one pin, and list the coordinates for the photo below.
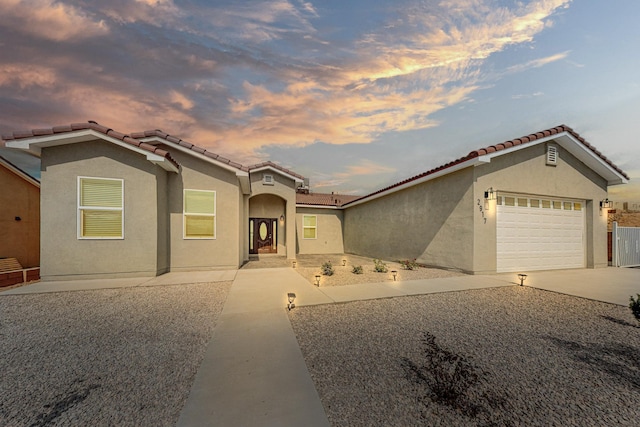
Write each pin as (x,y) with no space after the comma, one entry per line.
(355,95)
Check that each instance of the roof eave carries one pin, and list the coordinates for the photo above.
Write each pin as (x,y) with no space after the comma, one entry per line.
(283,173)
(22,174)
(34,145)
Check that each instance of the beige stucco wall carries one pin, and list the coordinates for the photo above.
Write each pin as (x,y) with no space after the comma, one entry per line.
(204,254)
(525,172)
(63,255)
(329,232)
(272,207)
(19,239)
(432,222)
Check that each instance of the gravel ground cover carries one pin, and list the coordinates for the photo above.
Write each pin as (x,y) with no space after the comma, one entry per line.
(513,356)
(106,357)
(310,265)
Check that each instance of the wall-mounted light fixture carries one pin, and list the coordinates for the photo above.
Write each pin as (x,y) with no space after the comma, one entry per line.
(281,219)
(291,297)
(522,278)
(318,280)
(18,218)
(488,196)
(294,263)
(395,273)
(344,262)
(605,204)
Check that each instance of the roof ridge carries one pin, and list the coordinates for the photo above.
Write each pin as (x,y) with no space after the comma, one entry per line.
(186,144)
(95,126)
(275,166)
(501,146)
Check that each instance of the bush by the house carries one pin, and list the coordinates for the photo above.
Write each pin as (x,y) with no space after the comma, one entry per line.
(357,269)
(379,266)
(409,264)
(327,269)
(634,305)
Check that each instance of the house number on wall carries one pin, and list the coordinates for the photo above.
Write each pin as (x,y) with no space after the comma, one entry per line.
(481,209)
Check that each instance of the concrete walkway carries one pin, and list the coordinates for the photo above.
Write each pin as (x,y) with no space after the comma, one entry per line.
(253,372)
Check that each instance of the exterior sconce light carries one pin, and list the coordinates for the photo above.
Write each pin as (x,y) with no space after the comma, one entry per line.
(522,278)
(344,262)
(490,194)
(606,204)
(291,297)
(281,219)
(294,264)
(18,218)
(317,280)
(395,273)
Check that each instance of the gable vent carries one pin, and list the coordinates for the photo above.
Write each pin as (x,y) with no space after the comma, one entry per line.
(267,179)
(552,155)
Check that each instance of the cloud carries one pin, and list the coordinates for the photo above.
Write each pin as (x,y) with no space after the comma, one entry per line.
(365,167)
(48,19)
(537,63)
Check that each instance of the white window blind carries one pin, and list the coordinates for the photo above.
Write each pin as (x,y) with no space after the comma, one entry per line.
(309,226)
(100,208)
(199,214)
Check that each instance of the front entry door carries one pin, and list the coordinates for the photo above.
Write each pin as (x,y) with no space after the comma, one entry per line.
(262,236)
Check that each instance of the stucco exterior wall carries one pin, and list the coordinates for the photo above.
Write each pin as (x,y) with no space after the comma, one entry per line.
(525,172)
(328,234)
(63,255)
(19,239)
(432,222)
(204,254)
(285,189)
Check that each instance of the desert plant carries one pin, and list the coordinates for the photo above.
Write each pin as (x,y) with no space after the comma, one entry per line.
(379,266)
(357,269)
(327,269)
(634,305)
(409,264)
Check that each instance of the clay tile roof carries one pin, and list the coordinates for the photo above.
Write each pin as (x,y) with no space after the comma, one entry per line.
(275,166)
(507,144)
(93,126)
(177,141)
(323,199)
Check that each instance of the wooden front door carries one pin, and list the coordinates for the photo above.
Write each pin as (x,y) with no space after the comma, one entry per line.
(262,236)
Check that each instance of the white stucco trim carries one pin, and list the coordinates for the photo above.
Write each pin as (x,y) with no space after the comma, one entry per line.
(271,168)
(577,149)
(35,145)
(299,205)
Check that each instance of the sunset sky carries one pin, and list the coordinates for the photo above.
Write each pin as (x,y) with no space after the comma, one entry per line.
(355,95)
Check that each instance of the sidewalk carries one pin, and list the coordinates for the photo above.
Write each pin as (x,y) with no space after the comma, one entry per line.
(253,372)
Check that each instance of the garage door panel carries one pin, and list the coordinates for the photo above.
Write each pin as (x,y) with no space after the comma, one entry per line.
(536,238)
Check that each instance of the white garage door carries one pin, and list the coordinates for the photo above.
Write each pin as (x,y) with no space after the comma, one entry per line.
(537,233)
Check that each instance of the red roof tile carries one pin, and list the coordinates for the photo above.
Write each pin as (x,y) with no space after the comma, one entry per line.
(95,127)
(177,141)
(498,147)
(323,199)
(275,166)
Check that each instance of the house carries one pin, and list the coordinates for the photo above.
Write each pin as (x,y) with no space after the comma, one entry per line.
(119,205)
(19,215)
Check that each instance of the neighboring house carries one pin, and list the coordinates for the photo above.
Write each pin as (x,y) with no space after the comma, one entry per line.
(19,215)
(146,203)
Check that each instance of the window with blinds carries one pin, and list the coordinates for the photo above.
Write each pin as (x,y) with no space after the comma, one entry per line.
(309,226)
(199,214)
(100,208)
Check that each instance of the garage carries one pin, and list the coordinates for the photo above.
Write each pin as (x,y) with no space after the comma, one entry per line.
(539,233)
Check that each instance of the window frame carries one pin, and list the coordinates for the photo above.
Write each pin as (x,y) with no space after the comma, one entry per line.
(310,227)
(80,208)
(185,214)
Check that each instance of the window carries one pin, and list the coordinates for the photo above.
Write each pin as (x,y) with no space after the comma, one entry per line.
(567,205)
(309,226)
(535,203)
(509,201)
(522,202)
(546,204)
(557,204)
(577,206)
(199,214)
(100,208)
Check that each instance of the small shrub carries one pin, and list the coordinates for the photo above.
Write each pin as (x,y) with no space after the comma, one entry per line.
(379,266)
(357,269)
(327,269)
(408,264)
(634,305)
